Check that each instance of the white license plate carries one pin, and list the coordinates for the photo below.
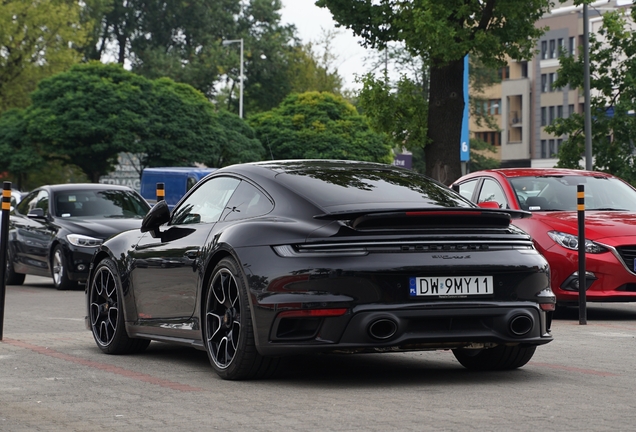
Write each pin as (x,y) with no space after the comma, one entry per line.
(450,286)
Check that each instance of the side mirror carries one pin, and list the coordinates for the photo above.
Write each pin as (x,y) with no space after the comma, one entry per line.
(489,205)
(158,215)
(455,187)
(36,213)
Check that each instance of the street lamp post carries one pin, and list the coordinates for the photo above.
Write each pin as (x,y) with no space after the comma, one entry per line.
(586,89)
(228,42)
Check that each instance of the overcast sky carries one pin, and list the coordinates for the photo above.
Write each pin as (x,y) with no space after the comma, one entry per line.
(310,20)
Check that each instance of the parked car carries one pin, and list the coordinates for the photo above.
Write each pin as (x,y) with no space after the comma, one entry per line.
(551,195)
(268,259)
(54,230)
(176,180)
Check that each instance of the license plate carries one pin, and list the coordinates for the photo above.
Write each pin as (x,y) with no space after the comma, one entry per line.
(450,286)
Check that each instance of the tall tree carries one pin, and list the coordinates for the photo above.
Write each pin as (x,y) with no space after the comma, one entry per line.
(37,40)
(316,125)
(612,102)
(444,31)
(91,113)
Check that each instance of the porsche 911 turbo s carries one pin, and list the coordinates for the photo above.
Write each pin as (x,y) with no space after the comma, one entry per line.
(55,230)
(269,259)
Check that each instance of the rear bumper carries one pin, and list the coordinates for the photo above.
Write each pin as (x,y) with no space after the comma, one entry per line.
(373,328)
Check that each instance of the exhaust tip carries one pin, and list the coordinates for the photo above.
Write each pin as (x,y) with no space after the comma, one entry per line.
(521,325)
(383,329)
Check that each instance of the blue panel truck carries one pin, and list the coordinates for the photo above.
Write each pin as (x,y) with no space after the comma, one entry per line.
(177,181)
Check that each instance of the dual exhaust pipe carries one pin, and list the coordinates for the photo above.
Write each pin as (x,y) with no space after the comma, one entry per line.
(385,328)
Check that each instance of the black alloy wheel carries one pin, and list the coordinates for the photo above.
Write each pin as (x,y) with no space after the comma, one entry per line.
(228,334)
(106,312)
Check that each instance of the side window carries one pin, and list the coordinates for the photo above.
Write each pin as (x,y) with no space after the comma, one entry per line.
(247,202)
(190,183)
(206,203)
(466,189)
(34,200)
(491,191)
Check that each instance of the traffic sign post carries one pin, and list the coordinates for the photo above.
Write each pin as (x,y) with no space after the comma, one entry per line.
(4,236)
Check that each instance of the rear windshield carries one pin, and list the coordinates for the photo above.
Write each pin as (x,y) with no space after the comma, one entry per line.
(354,187)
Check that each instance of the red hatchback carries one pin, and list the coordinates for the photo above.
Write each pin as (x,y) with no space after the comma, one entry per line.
(550,194)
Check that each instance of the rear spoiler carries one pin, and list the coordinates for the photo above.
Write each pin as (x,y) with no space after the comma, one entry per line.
(440,216)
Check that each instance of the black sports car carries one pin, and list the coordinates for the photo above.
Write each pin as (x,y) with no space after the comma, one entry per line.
(55,230)
(268,259)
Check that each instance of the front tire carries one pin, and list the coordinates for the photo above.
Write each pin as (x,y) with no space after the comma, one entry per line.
(59,270)
(500,357)
(227,330)
(106,311)
(10,276)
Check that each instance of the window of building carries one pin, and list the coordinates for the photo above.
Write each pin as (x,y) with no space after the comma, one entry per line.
(544,83)
(544,116)
(550,115)
(551,148)
(558,145)
(504,73)
(544,150)
(553,48)
(559,113)
(492,138)
(495,106)
(544,50)
(551,78)
(524,69)
(571,45)
(561,46)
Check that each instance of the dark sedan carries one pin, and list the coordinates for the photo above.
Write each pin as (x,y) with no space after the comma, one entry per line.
(55,230)
(276,258)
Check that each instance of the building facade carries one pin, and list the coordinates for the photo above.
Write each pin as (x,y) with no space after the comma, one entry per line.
(527,100)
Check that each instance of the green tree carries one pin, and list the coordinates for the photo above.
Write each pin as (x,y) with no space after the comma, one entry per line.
(37,40)
(91,113)
(612,102)
(316,125)
(444,31)
(20,156)
(237,143)
(311,71)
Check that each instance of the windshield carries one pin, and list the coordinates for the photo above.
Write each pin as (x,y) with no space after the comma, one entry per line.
(100,204)
(556,193)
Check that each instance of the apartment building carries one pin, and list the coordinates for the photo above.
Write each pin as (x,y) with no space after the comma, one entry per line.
(526,100)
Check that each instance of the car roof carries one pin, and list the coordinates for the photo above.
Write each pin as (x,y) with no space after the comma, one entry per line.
(296,165)
(537,172)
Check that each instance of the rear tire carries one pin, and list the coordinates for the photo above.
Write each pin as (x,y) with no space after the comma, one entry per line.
(59,270)
(498,358)
(228,335)
(106,312)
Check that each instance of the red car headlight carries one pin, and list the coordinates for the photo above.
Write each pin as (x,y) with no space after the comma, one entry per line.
(571,242)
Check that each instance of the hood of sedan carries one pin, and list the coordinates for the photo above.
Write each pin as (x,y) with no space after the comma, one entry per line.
(598,224)
(102,228)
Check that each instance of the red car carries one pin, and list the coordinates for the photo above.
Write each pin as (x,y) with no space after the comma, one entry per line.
(550,194)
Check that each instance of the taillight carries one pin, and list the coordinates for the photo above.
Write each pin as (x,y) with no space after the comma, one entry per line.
(312,313)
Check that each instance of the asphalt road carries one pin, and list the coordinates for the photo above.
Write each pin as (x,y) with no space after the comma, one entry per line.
(54,378)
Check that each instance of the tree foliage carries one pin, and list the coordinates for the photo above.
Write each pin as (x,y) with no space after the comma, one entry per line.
(37,40)
(317,125)
(91,113)
(612,102)
(444,31)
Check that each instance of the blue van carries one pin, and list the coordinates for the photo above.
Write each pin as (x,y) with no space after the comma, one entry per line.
(177,181)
